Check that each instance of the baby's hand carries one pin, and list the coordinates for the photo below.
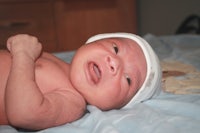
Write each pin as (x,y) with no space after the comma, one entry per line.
(25,44)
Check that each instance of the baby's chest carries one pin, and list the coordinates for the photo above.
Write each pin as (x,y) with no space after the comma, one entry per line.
(50,76)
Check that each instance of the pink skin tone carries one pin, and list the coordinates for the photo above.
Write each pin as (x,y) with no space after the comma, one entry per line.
(39,91)
(111,88)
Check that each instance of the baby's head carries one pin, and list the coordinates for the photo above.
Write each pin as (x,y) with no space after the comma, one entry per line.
(115,70)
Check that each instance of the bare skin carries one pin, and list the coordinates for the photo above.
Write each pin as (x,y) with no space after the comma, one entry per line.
(39,91)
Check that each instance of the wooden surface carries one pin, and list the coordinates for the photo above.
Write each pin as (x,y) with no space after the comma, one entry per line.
(65,24)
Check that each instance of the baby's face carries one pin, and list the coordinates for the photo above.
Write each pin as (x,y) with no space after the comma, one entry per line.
(108,72)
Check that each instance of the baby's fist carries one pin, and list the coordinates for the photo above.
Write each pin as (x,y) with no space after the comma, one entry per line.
(25,44)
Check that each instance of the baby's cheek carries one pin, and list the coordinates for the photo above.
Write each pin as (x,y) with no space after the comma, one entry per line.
(115,90)
(124,89)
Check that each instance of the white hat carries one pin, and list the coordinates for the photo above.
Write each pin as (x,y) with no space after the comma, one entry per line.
(152,83)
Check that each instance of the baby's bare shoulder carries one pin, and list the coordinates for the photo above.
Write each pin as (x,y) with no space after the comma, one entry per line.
(5,62)
(4,71)
(4,53)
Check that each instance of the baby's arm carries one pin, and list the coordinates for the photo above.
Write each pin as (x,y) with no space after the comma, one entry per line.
(21,84)
(26,106)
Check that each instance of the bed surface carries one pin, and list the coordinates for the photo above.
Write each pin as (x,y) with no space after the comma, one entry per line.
(173,111)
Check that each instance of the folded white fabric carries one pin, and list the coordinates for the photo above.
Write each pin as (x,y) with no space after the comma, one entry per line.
(152,83)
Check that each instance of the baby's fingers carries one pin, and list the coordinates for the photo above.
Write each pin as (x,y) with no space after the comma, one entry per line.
(9,43)
(23,43)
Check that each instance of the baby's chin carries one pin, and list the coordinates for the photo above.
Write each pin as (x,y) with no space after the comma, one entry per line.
(107,106)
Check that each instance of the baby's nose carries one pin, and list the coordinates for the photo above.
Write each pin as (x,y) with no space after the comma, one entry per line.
(113,64)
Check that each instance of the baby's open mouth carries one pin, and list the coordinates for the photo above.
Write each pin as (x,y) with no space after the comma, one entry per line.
(95,72)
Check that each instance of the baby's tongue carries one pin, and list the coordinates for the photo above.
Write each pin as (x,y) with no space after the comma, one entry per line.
(97,71)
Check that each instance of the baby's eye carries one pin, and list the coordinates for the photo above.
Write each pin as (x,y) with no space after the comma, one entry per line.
(128,80)
(115,48)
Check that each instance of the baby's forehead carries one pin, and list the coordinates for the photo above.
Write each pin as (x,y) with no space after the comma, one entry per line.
(120,40)
(131,44)
(124,44)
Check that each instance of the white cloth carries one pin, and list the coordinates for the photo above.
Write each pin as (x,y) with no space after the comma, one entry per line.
(152,83)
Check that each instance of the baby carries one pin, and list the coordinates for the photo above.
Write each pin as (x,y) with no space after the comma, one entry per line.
(38,90)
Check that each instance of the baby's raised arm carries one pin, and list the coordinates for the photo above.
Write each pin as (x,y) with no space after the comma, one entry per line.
(21,86)
(26,106)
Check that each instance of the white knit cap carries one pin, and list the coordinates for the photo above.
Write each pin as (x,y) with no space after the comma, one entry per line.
(152,83)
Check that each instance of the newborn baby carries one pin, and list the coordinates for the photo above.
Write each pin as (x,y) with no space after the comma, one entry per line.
(38,90)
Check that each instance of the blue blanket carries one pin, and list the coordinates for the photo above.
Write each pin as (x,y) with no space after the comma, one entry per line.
(166,113)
